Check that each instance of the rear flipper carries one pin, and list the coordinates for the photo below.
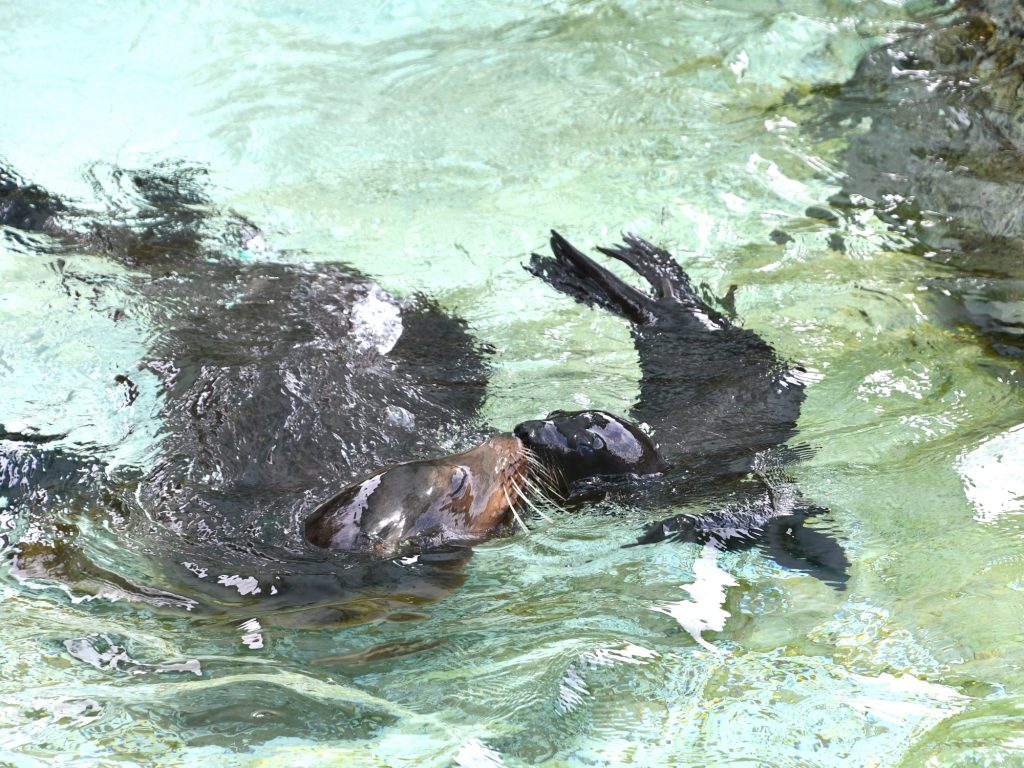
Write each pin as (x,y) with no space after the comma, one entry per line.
(657,266)
(577,275)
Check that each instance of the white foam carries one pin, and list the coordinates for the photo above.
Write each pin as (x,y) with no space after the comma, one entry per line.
(376,321)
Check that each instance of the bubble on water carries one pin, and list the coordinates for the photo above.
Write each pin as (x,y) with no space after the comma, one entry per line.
(476,754)
(252,635)
(400,417)
(246,585)
(704,612)
(104,652)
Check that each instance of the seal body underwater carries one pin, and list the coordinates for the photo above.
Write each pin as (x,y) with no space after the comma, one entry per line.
(719,400)
(277,382)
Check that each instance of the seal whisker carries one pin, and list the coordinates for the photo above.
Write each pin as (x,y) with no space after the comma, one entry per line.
(550,478)
(540,467)
(545,475)
(540,491)
(512,509)
(555,489)
(557,481)
(527,499)
(534,460)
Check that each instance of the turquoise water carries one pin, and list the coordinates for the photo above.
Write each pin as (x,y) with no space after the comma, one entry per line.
(432,145)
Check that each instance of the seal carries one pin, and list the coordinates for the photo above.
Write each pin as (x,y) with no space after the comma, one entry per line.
(713,393)
(273,381)
(721,405)
(427,506)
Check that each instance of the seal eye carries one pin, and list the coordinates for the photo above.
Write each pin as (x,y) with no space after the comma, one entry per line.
(598,443)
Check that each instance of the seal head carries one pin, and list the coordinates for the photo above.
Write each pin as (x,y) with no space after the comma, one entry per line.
(578,445)
(424,506)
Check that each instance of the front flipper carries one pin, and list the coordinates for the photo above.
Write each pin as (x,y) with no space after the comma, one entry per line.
(768,512)
(793,545)
(786,540)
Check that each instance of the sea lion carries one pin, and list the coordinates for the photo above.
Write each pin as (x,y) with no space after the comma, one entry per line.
(720,404)
(426,506)
(464,499)
(277,382)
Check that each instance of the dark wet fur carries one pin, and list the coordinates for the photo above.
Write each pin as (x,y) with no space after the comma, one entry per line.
(157,217)
(718,398)
(268,389)
(271,401)
(25,206)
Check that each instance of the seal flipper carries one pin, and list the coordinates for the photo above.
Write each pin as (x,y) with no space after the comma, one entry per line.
(717,397)
(662,271)
(796,547)
(574,273)
(785,539)
(770,516)
(655,265)
(577,275)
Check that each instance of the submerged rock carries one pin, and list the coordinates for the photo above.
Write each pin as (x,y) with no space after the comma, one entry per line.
(936,120)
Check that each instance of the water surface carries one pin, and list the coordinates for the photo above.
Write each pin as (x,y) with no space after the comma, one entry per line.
(431,146)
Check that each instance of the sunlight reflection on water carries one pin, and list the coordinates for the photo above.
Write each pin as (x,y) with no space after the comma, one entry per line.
(432,145)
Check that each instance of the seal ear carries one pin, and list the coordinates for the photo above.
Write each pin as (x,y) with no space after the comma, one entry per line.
(577,275)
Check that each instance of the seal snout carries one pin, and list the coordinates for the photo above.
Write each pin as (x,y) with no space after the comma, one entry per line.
(504,486)
(531,433)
